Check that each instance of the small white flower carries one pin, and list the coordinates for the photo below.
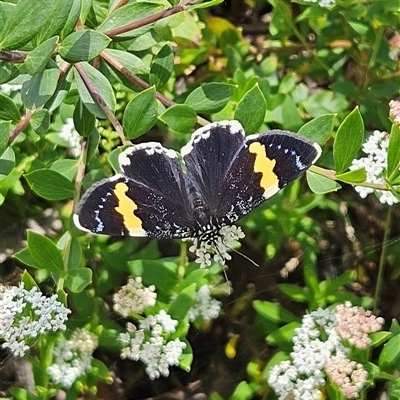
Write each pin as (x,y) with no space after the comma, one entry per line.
(375,164)
(322,3)
(150,345)
(71,136)
(26,314)
(134,298)
(219,247)
(7,89)
(73,358)
(205,307)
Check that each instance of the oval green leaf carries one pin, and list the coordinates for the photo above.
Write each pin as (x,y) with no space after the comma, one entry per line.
(251,109)
(40,88)
(103,87)
(78,279)
(393,161)
(348,141)
(180,118)
(83,45)
(140,114)
(18,30)
(162,67)
(40,121)
(38,58)
(8,110)
(182,304)
(50,184)
(319,129)
(45,253)
(320,184)
(128,14)
(84,120)
(210,97)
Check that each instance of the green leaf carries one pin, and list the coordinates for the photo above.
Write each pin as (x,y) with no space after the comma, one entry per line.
(84,121)
(38,58)
(102,85)
(8,71)
(295,292)
(5,129)
(39,89)
(56,20)
(128,14)
(63,88)
(72,19)
(27,18)
(378,338)
(162,67)
(352,177)
(94,138)
(66,167)
(348,141)
(28,280)
(45,253)
(319,129)
(7,162)
(325,102)
(206,4)
(140,114)
(390,353)
(251,109)
(40,121)
(281,109)
(182,304)
(273,312)
(8,110)
(180,117)
(393,161)
(130,62)
(283,335)
(50,185)
(210,97)
(83,45)
(78,279)
(154,273)
(320,184)
(24,256)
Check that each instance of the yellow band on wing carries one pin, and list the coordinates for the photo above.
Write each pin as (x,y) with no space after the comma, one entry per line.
(269,181)
(126,208)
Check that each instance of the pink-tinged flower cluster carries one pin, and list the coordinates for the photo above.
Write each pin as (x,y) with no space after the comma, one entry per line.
(321,349)
(348,375)
(394,112)
(353,324)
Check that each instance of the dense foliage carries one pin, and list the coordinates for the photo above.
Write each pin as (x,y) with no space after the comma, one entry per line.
(80,80)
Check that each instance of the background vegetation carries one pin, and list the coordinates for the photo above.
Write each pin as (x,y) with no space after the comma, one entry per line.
(80,79)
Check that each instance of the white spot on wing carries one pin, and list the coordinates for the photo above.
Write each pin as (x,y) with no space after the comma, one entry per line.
(150,148)
(204,133)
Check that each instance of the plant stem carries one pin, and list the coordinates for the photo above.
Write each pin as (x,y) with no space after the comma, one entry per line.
(100,101)
(382,260)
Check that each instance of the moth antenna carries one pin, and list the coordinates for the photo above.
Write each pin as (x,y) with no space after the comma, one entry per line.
(246,257)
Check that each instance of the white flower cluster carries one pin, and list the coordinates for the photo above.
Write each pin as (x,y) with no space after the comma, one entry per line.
(71,136)
(134,298)
(26,314)
(205,307)
(7,89)
(302,377)
(72,358)
(375,164)
(322,3)
(150,344)
(224,242)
